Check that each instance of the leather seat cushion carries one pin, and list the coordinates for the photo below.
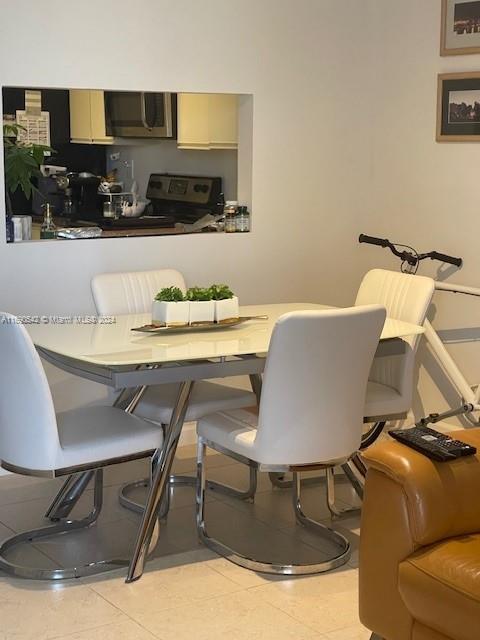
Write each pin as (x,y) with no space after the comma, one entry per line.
(440,586)
(207,397)
(99,433)
(235,431)
(382,400)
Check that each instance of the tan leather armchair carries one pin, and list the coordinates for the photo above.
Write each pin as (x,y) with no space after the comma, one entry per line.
(420,544)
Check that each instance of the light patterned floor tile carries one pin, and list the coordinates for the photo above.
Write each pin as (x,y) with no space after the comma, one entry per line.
(243,577)
(41,611)
(358,632)
(128,630)
(173,587)
(238,616)
(326,602)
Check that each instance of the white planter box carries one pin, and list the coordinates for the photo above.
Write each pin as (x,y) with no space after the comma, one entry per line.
(226,309)
(203,311)
(170,313)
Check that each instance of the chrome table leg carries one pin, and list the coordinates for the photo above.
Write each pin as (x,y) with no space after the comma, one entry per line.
(256,384)
(159,483)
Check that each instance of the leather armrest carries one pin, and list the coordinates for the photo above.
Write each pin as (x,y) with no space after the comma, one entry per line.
(442,498)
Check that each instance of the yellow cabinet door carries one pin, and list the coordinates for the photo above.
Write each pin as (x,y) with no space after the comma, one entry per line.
(207,121)
(192,125)
(97,115)
(223,116)
(87,117)
(80,116)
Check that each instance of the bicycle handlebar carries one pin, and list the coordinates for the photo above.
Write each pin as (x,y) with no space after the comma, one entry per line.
(383,242)
(372,240)
(442,257)
(406,255)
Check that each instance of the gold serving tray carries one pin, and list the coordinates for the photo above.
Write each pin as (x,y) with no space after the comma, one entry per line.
(199,326)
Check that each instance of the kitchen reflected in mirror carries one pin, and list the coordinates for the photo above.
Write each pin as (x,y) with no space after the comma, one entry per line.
(87,163)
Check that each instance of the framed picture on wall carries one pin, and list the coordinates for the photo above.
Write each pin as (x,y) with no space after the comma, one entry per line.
(458,108)
(460,27)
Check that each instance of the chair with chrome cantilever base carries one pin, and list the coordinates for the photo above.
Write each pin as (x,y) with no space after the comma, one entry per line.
(310,415)
(34,441)
(390,386)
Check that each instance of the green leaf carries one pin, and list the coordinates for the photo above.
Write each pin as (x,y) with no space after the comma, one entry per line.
(170,294)
(221,292)
(199,294)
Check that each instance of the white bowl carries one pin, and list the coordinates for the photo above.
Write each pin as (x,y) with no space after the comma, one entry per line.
(134,210)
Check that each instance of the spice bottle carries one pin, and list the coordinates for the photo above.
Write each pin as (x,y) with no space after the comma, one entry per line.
(242,220)
(48,229)
(230,212)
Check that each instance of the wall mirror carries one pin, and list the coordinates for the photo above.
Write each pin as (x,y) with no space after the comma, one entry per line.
(89,163)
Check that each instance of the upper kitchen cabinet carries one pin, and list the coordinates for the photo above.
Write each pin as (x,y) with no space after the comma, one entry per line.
(207,121)
(87,117)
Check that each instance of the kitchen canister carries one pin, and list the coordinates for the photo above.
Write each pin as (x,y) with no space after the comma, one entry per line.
(26,227)
(17,228)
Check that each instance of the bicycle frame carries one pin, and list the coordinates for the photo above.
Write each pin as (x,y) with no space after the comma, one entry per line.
(470,395)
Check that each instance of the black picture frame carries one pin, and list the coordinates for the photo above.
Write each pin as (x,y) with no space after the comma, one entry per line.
(461,130)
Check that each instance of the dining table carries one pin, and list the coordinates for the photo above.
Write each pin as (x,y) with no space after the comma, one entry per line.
(110,351)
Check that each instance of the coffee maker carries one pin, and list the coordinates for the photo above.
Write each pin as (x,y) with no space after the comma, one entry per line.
(82,188)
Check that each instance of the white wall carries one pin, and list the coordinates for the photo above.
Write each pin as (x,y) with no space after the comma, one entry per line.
(299,59)
(422,192)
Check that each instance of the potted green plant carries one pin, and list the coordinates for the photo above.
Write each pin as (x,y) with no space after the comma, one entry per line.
(202,307)
(226,303)
(170,308)
(22,163)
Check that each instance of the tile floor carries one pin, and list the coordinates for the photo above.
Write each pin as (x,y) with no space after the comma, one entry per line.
(187,591)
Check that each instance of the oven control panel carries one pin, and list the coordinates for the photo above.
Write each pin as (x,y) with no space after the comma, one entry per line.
(186,189)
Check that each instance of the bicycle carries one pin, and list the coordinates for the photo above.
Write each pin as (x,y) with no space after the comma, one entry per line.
(470,395)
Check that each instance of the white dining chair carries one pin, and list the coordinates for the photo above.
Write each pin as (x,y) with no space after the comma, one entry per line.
(35,441)
(310,415)
(391,382)
(133,292)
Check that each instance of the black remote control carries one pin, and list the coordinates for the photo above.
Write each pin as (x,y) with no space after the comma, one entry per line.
(433,444)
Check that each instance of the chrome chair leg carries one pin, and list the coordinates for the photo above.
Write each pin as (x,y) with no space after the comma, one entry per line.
(62,527)
(264,566)
(68,496)
(352,475)
(332,507)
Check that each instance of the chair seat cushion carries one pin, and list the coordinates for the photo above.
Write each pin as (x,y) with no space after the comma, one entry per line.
(158,401)
(94,434)
(234,431)
(440,586)
(382,400)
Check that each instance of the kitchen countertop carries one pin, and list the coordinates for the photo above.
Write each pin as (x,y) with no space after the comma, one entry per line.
(113,233)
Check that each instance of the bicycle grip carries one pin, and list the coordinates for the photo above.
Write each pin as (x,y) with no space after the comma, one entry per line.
(442,257)
(372,240)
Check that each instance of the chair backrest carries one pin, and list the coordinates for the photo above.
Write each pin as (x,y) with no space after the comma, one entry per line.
(405,297)
(313,395)
(28,426)
(132,291)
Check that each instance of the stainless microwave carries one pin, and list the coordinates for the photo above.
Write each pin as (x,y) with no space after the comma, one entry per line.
(140,114)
